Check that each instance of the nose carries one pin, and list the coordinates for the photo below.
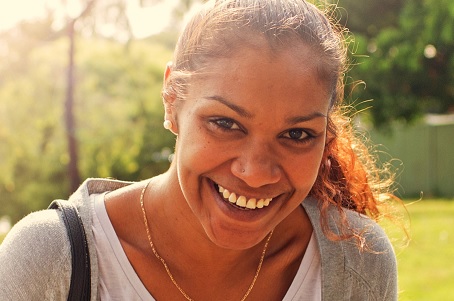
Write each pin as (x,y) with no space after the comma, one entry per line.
(257,165)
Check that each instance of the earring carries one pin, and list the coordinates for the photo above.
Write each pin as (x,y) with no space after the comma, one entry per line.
(167,124)
(328,163)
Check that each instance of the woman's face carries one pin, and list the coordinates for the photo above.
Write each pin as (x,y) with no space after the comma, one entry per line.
(253,124)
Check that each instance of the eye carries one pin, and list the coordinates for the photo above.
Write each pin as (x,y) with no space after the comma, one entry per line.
(295,134)
(226,124)
(298,135)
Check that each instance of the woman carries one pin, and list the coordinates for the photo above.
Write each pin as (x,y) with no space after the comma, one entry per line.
(267,193)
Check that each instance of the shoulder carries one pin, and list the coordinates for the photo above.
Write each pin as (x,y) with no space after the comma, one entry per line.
(43,228)
(375,249)
(85,205)
(374,238)
(81,197)
(368,273)
(35,258)
(374,266)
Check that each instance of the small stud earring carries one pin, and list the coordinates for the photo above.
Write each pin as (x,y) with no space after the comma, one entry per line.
(167,124)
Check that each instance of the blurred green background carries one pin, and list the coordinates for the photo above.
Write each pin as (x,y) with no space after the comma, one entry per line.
(425,264)
(80,97)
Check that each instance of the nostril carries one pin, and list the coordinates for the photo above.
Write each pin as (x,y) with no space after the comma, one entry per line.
(257,176)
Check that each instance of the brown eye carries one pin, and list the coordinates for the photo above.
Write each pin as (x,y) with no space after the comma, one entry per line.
(299,136)
(226,124)
(296,134)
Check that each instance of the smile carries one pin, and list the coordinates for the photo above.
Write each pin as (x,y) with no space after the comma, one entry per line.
(242,201)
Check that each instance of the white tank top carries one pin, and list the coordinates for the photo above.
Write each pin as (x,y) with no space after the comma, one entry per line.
(119,281)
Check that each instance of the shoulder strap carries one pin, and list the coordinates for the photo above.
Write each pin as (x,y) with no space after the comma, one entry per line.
(80,273)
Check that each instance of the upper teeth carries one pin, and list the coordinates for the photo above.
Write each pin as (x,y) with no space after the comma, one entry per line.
(242,201)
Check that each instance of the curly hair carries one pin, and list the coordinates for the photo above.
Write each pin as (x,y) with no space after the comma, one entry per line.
(348,176)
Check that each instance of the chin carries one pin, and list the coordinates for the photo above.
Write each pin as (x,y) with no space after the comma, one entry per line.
(234,238)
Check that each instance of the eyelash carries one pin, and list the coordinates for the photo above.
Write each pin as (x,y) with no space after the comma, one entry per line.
(220,123)
(306,136)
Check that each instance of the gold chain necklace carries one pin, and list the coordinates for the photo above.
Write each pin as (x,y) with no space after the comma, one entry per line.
(145,220)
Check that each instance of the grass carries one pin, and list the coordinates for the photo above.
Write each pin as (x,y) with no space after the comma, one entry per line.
(426,268)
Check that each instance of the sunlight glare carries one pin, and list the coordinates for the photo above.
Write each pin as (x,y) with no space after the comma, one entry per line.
(12,12)
(145,21)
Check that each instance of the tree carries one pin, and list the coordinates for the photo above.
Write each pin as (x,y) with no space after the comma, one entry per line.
(32,165)
(73,169)
(119,113)
(369,17)
(408,67)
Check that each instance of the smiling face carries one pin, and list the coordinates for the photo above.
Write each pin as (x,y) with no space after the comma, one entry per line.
(251,134)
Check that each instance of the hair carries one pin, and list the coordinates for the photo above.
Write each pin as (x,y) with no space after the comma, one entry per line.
(348,176)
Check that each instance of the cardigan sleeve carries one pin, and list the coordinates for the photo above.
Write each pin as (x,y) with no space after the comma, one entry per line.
(372,271)
(35,259)
(349,272)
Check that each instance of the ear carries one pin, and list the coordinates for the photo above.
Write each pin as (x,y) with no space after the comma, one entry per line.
(168,98)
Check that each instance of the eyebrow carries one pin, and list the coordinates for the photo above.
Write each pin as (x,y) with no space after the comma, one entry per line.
(241,111)
(298,119)
(245,113)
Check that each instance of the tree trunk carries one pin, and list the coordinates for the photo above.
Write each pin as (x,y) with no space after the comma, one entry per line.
(73,170)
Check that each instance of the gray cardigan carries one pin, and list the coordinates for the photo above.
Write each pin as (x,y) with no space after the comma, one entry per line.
(35,261)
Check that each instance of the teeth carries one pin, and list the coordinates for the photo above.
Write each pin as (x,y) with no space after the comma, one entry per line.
(242,201)
(232,198)
(251,204)
(266,202)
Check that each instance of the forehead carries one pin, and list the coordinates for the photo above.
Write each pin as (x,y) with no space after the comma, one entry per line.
(286,76)
(239,49)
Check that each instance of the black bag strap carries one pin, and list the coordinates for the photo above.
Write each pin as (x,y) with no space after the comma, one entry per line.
(79,289)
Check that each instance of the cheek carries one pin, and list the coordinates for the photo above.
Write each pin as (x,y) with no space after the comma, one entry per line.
(195,153)
(189,167)
(303,169)
(198,149)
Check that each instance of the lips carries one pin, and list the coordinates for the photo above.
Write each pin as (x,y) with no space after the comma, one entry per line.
(243,201)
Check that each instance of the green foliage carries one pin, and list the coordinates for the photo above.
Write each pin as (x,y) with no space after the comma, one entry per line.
(30,136)
(122,100)
(119,116)
(368,17)
(407,62)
